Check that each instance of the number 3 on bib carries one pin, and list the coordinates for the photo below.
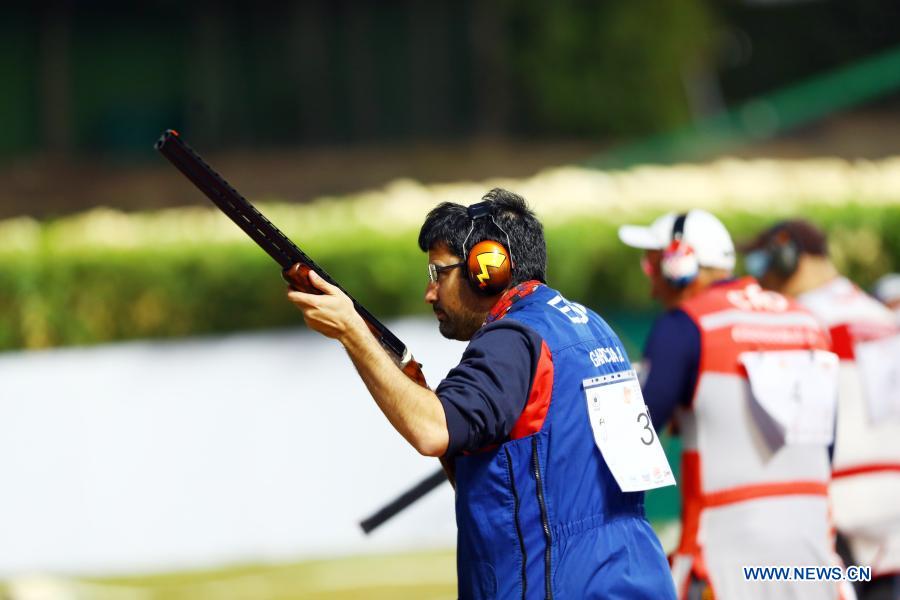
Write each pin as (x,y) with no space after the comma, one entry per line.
(624,434)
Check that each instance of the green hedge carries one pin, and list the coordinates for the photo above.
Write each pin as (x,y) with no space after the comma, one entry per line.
(58,290)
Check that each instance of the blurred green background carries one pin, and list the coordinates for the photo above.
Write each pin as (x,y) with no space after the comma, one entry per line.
(106,276)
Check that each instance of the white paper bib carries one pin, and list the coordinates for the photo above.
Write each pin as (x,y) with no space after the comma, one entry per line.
(796,391)
(624,434)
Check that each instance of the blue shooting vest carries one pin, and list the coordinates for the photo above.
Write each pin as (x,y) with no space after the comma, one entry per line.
(540,515)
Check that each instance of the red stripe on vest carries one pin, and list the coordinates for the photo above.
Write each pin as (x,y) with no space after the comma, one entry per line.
(845,337)
(690,514)
(866,469)
(765,490)
(532,418)
(690,505)
(842,342)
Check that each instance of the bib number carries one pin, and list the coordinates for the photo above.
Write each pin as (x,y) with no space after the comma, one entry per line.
(795,393)
(624,433)
(644,419)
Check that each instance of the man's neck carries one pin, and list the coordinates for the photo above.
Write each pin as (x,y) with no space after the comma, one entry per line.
(705,279)
(812,272)
(510,296)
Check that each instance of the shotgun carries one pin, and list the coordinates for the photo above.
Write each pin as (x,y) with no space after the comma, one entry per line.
(295,268)
(295,264)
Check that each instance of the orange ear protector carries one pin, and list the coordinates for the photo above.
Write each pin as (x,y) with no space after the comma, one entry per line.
(488,263)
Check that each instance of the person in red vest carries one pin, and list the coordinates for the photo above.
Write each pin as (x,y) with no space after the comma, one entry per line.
(744,376)
(792,257)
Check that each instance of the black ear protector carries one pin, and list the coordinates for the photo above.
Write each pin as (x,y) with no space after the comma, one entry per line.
(488,263)
(784,254)
(679,264)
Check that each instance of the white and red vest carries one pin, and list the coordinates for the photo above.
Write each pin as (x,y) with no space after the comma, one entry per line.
(865,490)
(746,503)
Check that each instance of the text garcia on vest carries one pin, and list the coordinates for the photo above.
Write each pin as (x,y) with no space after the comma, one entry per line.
(605,354)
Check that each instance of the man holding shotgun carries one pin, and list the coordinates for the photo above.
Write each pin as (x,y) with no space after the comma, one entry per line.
(542,421)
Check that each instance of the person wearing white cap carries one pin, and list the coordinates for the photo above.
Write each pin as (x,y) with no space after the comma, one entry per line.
(752,495)
(706,256)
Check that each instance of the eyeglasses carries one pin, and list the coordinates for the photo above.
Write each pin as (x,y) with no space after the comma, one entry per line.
(434,271)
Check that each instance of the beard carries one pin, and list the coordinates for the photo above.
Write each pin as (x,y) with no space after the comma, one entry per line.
(460,326)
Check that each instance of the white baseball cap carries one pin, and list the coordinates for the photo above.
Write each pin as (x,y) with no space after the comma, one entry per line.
(702,231)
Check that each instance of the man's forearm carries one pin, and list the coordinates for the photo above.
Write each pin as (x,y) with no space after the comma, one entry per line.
(414,411)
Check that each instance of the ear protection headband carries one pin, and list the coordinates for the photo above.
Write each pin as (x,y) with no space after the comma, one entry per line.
(488,263)
(679,264)
(784,254)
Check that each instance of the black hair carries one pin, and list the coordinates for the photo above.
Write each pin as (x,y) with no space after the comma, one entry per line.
(805,237)
(449,223)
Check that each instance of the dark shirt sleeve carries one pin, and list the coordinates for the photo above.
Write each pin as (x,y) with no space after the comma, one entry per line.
(484,395)
(671,364)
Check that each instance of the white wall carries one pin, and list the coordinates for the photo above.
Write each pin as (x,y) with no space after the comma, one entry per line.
(171,455)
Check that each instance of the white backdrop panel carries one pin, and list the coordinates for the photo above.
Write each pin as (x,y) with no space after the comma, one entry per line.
(151,456)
